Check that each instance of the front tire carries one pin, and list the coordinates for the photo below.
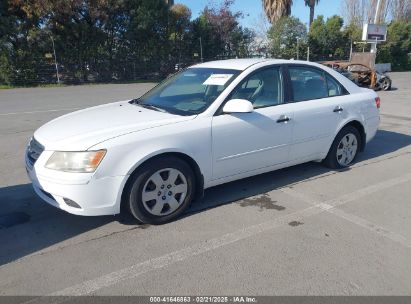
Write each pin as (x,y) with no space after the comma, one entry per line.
(385,84)
(344,149)
(160,190)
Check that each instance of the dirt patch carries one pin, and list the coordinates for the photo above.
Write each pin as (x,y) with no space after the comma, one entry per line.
(295,223)
(263,201)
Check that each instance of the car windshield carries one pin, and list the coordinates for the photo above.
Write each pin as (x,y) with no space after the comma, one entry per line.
(189,92)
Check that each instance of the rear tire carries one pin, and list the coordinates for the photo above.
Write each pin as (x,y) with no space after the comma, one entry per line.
(344,148)
(160,190)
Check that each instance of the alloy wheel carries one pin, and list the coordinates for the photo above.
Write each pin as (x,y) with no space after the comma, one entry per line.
(164,192)
(347,149)
(385,84)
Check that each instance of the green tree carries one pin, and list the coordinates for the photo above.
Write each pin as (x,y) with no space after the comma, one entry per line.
(244,42)
(179,27)
(25,44)
(221,34)
(283,36)
(311,4)
(7,27)
(201,29)
(398,46)
(94,39)
(327,40)
(353,33)
(147,33)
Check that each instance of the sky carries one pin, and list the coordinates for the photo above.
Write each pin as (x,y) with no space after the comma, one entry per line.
(253,9)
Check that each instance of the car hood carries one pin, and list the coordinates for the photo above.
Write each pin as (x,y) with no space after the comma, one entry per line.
(85,128)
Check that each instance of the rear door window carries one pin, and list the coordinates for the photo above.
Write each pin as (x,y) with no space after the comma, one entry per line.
(307,83)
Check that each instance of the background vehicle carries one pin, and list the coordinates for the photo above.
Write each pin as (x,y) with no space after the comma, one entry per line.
(210,124)
(361,74)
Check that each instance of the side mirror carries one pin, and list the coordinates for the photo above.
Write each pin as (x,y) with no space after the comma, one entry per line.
(238,106)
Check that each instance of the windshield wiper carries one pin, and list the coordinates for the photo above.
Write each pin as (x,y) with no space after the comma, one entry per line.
(137,101)
(147,106)
(151,107)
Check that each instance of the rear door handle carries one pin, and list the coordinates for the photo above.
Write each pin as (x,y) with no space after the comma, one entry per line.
(338,109)
(283,118)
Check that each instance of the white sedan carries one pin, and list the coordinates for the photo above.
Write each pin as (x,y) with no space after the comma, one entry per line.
(210,124)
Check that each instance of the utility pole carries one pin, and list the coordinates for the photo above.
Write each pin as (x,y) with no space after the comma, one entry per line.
(377,12)
(350,49)
(55,58)
(201,50)
(298,46)
(308,53)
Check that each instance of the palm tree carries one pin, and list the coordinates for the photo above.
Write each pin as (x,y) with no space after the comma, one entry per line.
(311,4)
(275,9)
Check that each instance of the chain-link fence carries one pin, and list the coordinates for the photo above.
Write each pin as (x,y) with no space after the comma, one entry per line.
(45,71)
(51,70)
(42,72)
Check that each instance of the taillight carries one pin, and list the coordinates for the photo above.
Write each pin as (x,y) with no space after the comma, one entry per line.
(377,102)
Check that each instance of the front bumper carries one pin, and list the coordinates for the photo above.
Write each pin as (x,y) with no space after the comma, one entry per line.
(93,196)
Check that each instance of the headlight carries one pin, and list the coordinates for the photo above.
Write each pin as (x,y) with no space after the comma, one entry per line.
(80,162)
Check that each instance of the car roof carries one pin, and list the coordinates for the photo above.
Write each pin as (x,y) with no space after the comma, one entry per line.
(242,64)
(234,64)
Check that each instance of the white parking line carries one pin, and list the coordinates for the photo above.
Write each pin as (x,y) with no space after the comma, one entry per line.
(93,285)
(40,111)
(330,205)
(349,197)
(396,237)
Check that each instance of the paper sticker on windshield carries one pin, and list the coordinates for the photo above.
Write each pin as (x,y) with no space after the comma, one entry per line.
(217,79)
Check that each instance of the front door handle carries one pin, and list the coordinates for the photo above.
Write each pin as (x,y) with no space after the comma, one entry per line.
(283,118)
(338,109)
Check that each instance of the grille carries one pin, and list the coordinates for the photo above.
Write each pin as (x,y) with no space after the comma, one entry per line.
(34,150)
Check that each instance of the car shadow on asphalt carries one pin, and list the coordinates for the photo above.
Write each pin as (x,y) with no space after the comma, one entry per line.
(385,142)
(28,225)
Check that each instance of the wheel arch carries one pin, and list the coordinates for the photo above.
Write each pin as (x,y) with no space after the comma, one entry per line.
(199,178)
(329,158)
(360,127)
